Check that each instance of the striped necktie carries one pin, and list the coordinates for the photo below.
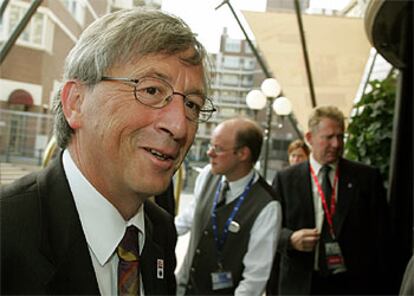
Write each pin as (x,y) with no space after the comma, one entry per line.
(222,195)
(128,266)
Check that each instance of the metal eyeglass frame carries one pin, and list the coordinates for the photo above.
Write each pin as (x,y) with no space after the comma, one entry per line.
(204,114)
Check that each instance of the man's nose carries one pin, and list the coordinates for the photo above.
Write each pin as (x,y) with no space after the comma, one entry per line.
(210,152)
(174,119)
(336,141)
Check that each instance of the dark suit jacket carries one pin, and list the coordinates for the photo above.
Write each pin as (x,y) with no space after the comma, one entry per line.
(43,247)
(166,200)
(360,222)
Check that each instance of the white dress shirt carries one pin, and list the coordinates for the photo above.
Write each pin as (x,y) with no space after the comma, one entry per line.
(317,202)
(102,225)
(263,236)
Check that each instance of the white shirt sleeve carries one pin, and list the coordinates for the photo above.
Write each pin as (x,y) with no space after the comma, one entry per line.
(184,220)
(261,250)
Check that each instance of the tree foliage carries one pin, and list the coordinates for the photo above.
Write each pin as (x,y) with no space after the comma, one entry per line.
(369,133)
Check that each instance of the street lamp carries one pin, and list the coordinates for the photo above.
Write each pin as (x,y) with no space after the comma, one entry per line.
(282,107)
(256,100)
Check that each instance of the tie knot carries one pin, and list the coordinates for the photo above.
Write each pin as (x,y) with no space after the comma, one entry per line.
(326,169)
(128,247)
(225,186)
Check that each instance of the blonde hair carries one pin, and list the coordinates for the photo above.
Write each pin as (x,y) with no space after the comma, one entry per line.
(321,112)
(298,144)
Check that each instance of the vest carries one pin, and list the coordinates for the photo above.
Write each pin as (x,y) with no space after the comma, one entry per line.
(201,260)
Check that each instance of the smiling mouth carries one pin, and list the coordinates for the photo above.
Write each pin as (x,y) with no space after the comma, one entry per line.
(158,154)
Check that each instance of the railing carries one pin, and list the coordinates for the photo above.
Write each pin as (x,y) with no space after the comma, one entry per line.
(24,136)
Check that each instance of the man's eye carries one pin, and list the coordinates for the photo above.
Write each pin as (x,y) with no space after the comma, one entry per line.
(193,106)
(151,90)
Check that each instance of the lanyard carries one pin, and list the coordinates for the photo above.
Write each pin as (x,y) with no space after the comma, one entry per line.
(220,241)
(328,212)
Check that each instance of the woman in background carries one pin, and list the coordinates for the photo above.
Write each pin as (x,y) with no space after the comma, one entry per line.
(298,151)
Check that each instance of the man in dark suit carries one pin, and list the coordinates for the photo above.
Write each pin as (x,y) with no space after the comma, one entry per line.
(126,116)
(335,217)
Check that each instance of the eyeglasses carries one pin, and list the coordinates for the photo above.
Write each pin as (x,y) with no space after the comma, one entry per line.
(157,93)
(219,150)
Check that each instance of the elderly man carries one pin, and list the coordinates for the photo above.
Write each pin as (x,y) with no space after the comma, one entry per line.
(234,219)
(134,91)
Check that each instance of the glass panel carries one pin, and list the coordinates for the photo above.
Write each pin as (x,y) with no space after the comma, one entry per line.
(232,45)
(37,28)
(231,62)
(13,18)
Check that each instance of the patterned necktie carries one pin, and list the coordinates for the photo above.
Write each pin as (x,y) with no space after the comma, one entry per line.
(325,236)
(128,266)
(222,195)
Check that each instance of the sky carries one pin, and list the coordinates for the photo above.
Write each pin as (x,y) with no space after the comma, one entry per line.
(208,22)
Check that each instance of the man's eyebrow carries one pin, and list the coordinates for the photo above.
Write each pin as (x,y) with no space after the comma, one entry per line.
(151,72)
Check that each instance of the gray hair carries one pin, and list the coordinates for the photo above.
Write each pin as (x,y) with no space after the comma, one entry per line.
(330,112)
(117,38)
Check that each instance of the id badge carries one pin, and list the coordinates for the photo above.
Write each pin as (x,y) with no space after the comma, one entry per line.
(334,258)
(221,280)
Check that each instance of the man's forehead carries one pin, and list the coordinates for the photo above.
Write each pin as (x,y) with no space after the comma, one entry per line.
(222,135)
(164,66)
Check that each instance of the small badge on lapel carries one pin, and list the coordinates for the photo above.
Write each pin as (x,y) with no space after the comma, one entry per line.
(349,185)
(160,268)
(234,227)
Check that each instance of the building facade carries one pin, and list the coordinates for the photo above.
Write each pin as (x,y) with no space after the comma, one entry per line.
(234,72)
(277,5)
(31,72)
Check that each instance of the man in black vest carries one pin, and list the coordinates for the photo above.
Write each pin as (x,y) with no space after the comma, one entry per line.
(232,218)
(335,216)
(133,94)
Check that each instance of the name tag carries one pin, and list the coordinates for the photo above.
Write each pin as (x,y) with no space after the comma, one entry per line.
(221,280)
(334,258)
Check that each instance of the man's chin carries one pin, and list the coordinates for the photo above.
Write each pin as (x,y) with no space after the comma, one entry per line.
(214,171)
(332,160)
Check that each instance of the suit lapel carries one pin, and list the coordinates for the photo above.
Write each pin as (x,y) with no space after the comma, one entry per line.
(346,195)
(305,194)
(150,254)
(63,243)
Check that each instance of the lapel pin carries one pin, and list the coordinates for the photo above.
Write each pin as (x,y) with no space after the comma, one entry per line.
(160,268)
(234,227)
(349,185)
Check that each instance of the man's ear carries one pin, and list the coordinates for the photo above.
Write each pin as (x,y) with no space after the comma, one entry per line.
(72,97)
(244,153)
(308,137)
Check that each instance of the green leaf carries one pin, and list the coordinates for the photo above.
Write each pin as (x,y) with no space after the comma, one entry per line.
(369,133)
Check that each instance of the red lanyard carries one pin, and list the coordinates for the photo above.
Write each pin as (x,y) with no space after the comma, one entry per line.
(328,213)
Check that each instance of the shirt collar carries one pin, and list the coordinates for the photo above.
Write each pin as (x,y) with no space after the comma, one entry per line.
(102,224)
(237,187)
(317,166)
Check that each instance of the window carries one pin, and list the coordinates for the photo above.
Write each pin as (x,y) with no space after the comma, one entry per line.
(77,9)
(1,27)
(232,45)
(231,62)
(249,64)
(34,32)
(230,79)
(228,112)
(247,80)
(247,48)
